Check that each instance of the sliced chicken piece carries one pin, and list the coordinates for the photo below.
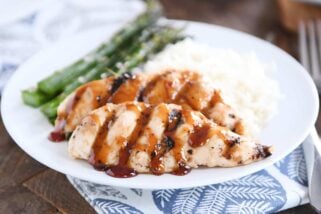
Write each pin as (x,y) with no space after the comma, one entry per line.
(136,137)
(186,88)
(78,104)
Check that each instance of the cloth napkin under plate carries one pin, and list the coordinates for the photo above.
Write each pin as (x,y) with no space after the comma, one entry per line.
(281,186)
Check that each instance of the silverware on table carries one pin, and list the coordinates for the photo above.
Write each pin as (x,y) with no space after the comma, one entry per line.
(310,56)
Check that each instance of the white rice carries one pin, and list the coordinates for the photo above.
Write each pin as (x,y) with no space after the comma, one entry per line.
(242,78)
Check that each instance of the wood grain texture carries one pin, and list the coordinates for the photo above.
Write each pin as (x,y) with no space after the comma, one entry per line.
(55,188)
(17,169)
(18,199)
(259,18)
(255,17)
(27,186)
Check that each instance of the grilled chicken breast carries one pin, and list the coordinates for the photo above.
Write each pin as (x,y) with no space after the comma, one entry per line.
(185,88)
(136,137)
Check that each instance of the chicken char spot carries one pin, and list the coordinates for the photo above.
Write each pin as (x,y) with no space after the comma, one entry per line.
(229,145)
(140,97)
(173,120)
(120,80)
(262,151)
(169,143)
(233,141)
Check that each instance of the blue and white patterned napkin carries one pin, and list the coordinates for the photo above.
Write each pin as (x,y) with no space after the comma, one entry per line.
(278,187)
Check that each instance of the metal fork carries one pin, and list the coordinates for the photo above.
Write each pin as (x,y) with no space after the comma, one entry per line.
(310,47)
(310,56)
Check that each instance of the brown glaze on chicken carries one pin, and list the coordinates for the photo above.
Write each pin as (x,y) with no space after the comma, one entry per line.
(186,88)
(135,137)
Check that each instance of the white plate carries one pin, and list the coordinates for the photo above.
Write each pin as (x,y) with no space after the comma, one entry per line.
(296,114)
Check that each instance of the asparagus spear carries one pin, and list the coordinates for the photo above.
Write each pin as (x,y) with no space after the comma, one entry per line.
(38,96)
(49,109)
(34,97)
(96,72)
(57,81)
(158,42)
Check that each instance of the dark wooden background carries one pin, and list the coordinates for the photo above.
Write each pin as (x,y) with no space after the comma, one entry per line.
(27,186)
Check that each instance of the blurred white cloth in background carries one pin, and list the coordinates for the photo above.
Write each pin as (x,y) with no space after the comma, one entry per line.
(64,18)
(52,20)
(13,10)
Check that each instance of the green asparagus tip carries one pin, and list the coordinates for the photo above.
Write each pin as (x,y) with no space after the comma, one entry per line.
(34,97)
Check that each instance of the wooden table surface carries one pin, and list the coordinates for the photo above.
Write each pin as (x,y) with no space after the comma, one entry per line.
(27,186)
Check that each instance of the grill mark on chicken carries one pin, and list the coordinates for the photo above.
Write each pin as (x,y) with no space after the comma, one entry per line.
(184,80)
(150,86)
(180,98)
(216,98)
(167,143)
(100,147)
(157,155)
(129,87)
(74,101)
(175,120)
(66,117)
(127,90)
(122,170)
(188,116)
(120,80)
(58,135)
(157,148)
(239,127)
(230,143)
(140,97)
(181,167)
